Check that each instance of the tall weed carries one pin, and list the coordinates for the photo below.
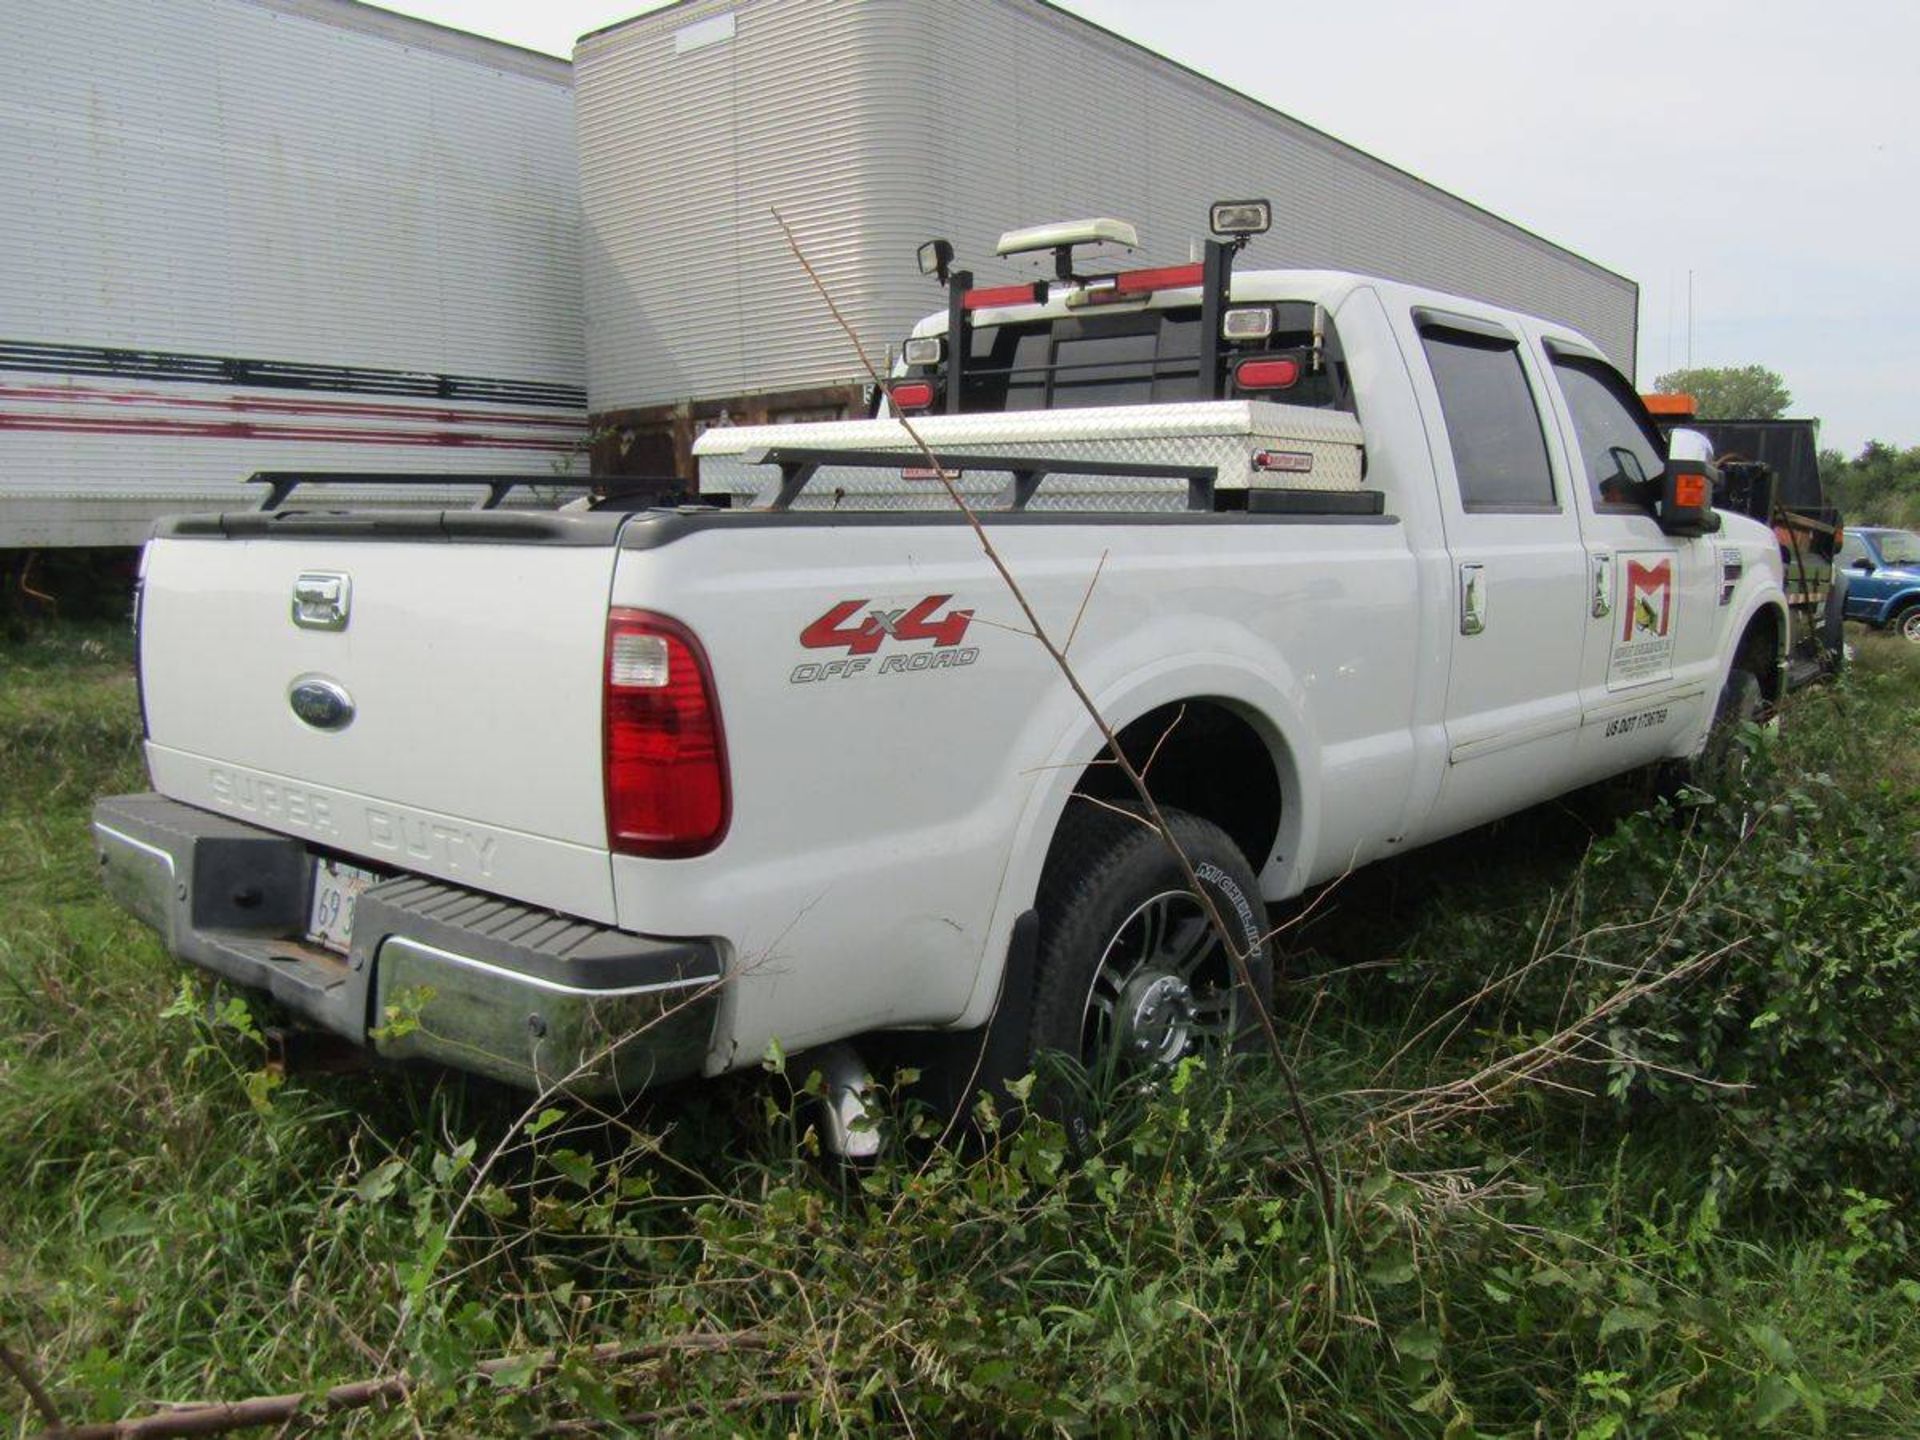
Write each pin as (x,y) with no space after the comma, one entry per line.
(1692,1224)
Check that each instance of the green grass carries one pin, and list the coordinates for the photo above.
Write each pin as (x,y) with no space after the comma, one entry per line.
(1615,1248)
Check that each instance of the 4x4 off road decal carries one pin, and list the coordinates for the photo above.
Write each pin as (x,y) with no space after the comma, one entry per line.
(881,623)
(1643,622)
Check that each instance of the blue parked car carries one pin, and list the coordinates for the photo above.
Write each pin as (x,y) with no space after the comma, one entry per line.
(1883,578)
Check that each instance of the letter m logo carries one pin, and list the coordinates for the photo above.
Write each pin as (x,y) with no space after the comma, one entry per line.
(1649,607)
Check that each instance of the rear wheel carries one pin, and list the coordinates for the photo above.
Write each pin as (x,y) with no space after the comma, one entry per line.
(1832,634)
(1132,977)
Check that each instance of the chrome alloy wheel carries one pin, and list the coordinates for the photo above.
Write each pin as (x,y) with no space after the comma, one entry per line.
(1909,626)
(1163,989)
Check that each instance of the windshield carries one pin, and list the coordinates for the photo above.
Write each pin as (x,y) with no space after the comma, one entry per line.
(1899,547)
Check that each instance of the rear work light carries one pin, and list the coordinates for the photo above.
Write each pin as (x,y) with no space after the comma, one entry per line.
(664,752)
(910,395)
(1246,324)
(1267,374)
(922,350)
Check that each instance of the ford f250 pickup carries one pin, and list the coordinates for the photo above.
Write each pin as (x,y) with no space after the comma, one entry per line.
(615,796)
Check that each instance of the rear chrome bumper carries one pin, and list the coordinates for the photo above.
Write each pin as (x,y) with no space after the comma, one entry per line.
(476,982)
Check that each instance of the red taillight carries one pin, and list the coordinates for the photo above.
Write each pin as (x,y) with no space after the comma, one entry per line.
(1172,277)
(665,754)
(911,395)
(1267,374)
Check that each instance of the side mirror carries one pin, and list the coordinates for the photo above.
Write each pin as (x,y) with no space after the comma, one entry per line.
(1863,565)
(1686,500)
(1627,464)
(1628,484)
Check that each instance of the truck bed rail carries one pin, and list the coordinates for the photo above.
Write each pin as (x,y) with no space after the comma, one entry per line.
(799,464)
(282,483)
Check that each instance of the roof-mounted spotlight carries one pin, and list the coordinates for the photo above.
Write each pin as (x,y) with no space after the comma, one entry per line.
(1240,219)
(936,259)
(1061,239)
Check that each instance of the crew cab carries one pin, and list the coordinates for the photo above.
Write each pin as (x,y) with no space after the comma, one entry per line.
(1883,578)
(608,797)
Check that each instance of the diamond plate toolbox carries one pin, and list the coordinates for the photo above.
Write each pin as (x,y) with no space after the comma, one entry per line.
(1255,444)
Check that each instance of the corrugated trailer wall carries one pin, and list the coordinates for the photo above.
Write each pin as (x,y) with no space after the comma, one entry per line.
(874,124)
(246,234)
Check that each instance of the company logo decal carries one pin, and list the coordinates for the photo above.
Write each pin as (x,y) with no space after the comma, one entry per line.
(1649,608)
(862,627)
(1293,462)
(321,703)
(1643,643)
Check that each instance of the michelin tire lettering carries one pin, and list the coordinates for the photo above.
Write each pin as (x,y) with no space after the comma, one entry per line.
(1223,882)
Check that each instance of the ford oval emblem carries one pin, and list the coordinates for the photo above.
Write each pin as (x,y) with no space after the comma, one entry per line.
(321,703)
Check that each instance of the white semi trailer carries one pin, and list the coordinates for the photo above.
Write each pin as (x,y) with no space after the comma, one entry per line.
(873,124)
(246,235)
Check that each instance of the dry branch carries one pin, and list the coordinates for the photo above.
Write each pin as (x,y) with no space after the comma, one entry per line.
(1244,976)
(221,1417)
(30,1383)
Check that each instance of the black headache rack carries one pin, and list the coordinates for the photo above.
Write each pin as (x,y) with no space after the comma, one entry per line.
(282,483)
(1213,274)
(798,465)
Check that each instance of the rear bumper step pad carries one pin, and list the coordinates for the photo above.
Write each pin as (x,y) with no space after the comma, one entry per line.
(480,983)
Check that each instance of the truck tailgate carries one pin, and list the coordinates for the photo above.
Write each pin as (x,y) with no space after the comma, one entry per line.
(472,750)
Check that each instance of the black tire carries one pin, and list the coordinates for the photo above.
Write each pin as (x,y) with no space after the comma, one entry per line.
(1906,624)
(1832,635)
(1108,882)
(1722,761)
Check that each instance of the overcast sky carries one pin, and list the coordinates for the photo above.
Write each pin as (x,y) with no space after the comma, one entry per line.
(1766,146)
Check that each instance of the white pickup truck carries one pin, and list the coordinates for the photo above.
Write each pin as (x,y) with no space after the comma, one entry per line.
(622,795)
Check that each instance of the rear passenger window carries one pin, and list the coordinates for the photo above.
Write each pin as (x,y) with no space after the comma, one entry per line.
(1493,425)
(1621,454)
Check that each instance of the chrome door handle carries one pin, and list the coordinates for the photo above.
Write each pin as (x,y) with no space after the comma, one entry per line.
(1473,599)
(1602,586)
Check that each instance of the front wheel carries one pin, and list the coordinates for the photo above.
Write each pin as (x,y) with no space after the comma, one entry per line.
(1722,762)
(1907,625)
(1132,976)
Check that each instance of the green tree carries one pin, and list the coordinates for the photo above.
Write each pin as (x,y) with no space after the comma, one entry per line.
(1730,392)
(1879,486)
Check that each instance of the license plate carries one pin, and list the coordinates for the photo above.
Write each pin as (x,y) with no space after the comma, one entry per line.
(335,888)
